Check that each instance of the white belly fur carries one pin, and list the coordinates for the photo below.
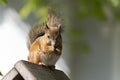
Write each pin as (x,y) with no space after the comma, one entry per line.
(49,59)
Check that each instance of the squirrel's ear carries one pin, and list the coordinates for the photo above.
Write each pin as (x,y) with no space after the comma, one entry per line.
(59,26)
(46,26)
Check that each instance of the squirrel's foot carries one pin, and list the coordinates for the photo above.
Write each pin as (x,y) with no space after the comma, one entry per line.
(51,67)
(42,64)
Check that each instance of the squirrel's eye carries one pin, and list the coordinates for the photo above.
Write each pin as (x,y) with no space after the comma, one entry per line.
(48,36)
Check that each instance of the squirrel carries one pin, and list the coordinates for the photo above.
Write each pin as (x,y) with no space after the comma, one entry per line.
(45,45)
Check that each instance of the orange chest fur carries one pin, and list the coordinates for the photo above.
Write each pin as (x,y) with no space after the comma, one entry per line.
(38,47)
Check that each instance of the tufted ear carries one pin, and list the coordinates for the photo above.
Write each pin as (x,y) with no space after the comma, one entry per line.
(59,26)
(46,27)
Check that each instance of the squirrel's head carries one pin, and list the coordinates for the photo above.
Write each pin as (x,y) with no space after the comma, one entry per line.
(52,34)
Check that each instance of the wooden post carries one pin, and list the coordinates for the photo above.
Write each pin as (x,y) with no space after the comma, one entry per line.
(24,70)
